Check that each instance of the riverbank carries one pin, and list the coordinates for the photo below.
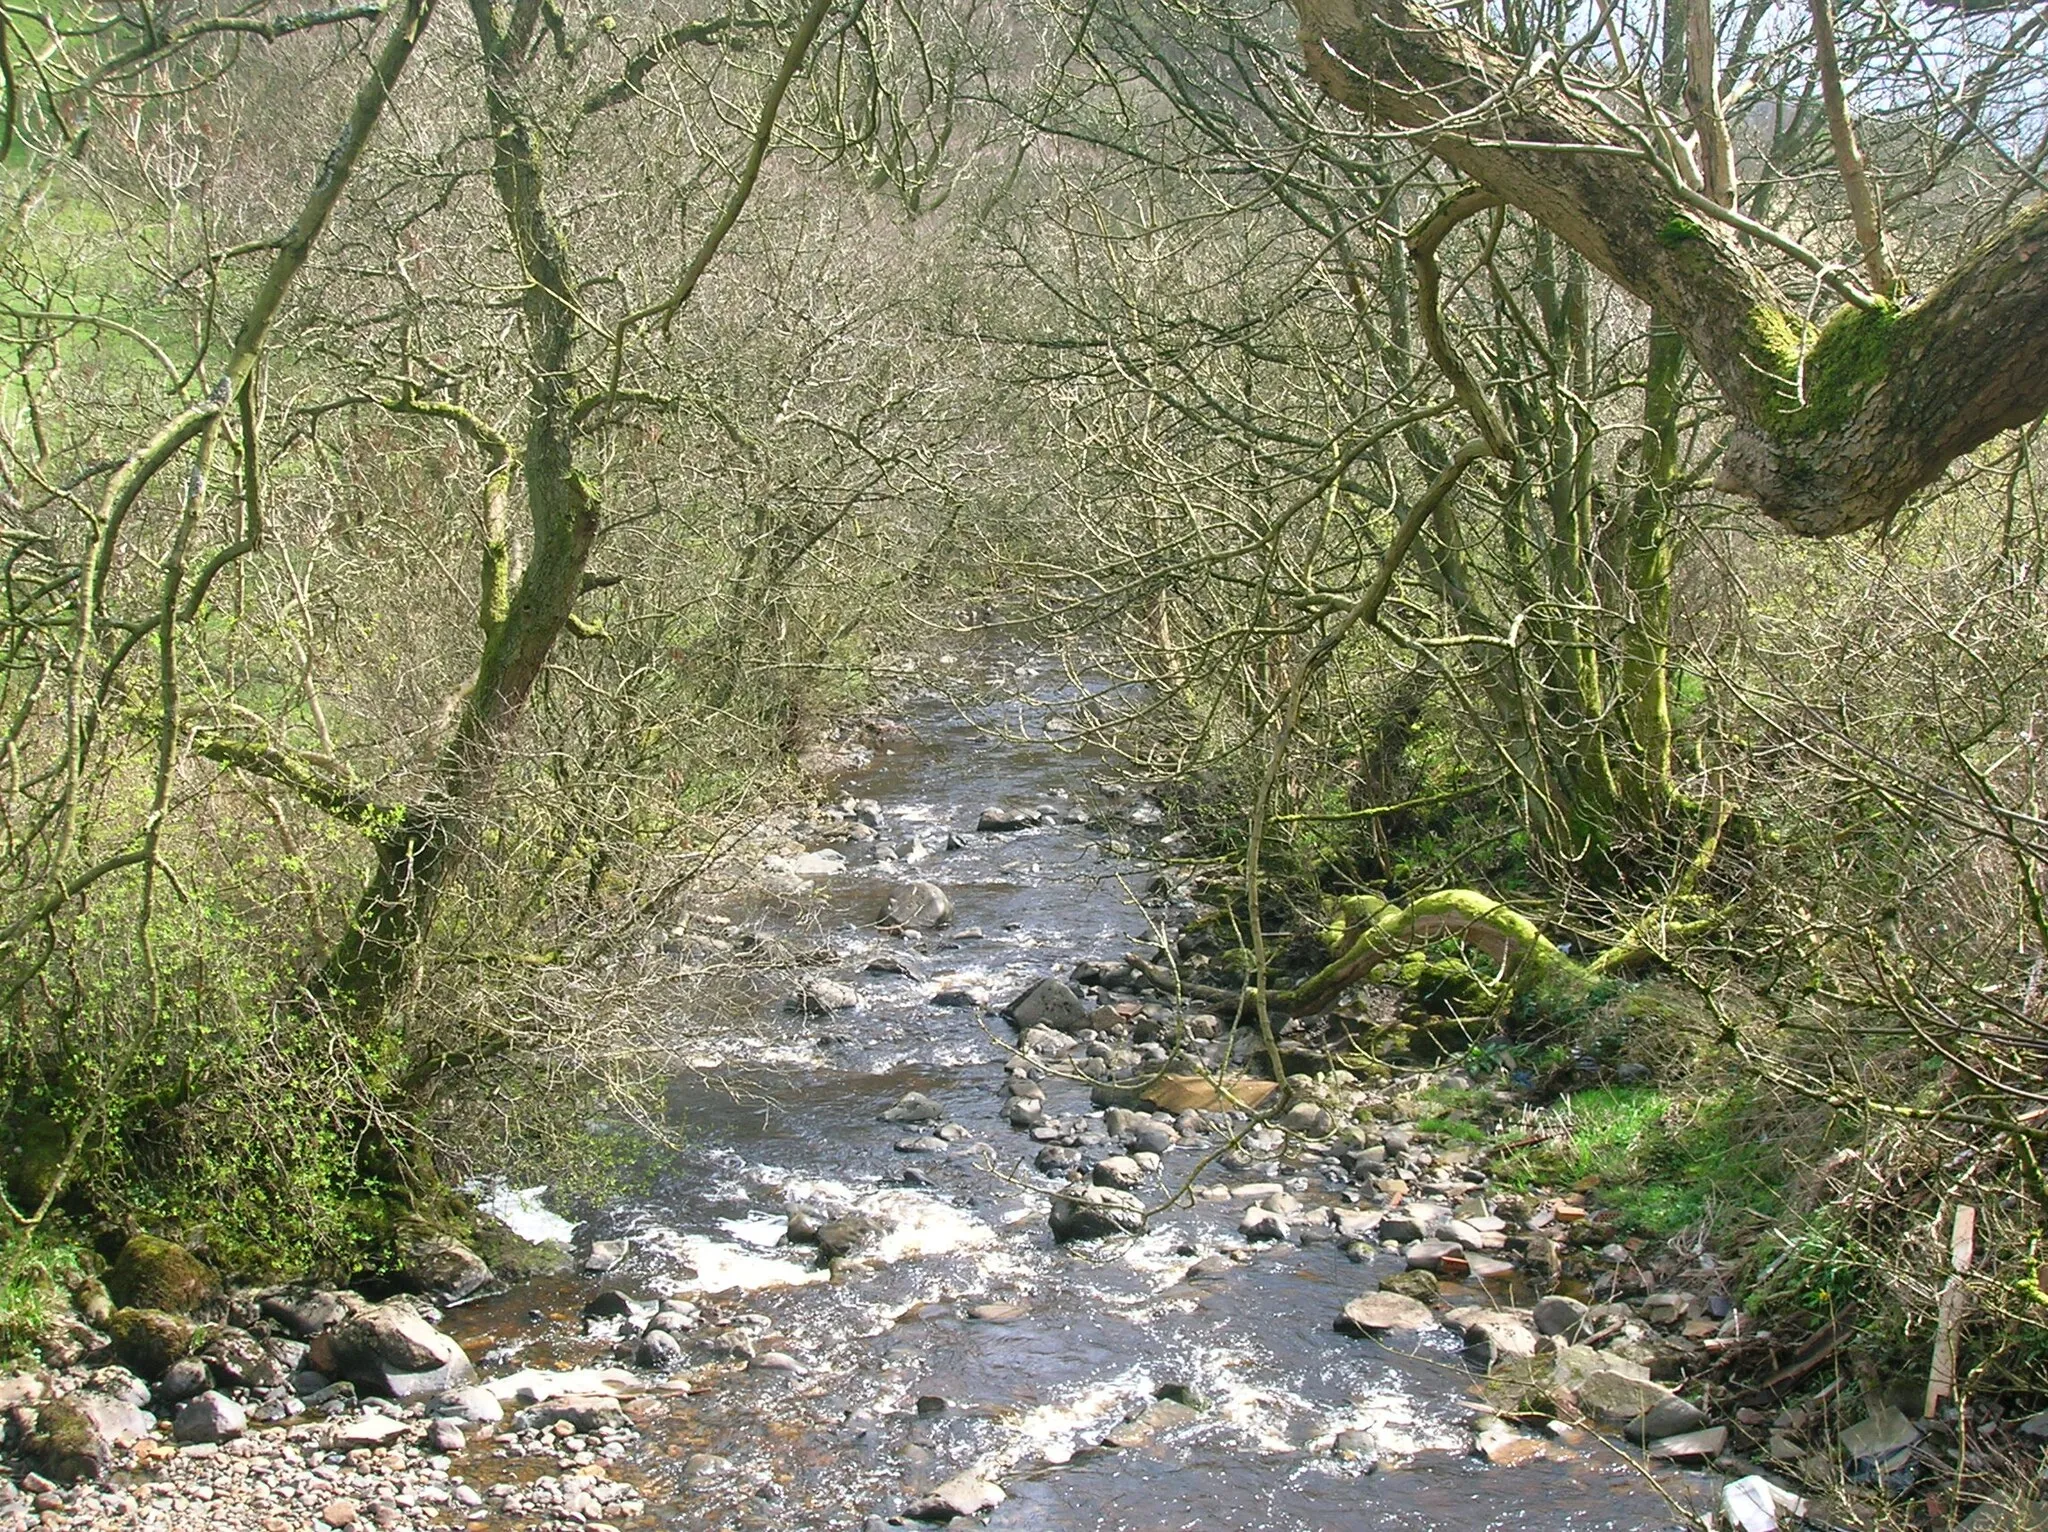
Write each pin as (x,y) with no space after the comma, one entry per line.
(1356,1298)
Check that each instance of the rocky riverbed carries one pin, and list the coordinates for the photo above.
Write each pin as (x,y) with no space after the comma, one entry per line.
(976,1221)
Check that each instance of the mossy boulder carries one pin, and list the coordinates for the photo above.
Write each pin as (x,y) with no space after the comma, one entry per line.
(148,1340)
(515,1259)
(153,1273)
(75,1437)
(1418,1284)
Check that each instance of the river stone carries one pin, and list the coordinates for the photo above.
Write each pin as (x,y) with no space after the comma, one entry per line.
(898,963)
(1263,1223)
(1045,1043)
(608,1305)
(844,1236)
(605,1254)
(368,1431)
(182,1379)
(1496,1339)
(1023,1112)
(1419,1285)
(1095,1212)
(1428,1254)
(153,1273)
(586,1412)
(1049,1003)
(1152,1136)
(1376,1313)
(243,1361)
(210,1417)
(444,1268)
(1559,1315)
(392,1351)
(473,1406)
(147,1341)
(1158,1416)
(918,906)
(1120,1171)
(304,1314)
(1057,1159)
(658,1351)
(967,1494)
(818,996)
(915,1107)
(1645,1410)
(1692,1446)
(75,1437)
(1001,821)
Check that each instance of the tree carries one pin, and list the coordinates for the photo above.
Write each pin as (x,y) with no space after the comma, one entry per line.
(1835,427)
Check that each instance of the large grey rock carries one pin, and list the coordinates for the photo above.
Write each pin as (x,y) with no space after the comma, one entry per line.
(209,1417)
(1558,1315)
(658,1351)
(75,1437)
(1496,1339)
(392,1351)
(1119,1171)
(817,996)
(473,1406)
(1095,1212)
(444,1268)
(182,1379)
(1643,1409)
(241,1360)
(1381,1312)
(1001,821)
(967,1494)
(304,1314)
(1049,1003)
(585,1412)
(916,1106)
(918,906)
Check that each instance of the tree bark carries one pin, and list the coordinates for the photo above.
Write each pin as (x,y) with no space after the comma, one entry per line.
(1833,429)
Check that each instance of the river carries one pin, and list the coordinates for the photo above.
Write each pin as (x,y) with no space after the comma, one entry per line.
(897,1383)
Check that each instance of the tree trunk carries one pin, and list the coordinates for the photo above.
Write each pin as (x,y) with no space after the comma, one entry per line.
(1834,430)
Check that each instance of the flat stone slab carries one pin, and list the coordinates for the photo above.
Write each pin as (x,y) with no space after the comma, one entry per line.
(1382,1312)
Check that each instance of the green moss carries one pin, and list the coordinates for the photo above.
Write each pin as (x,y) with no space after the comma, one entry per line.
(148,1340)
(1679,230)
(153,1273)
(1823,379)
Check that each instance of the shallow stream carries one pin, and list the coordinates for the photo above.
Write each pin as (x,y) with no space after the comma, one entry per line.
(899,1385)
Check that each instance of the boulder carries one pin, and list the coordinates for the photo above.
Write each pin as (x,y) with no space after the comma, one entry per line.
(473,1406)
(75,1437)
(967,1494)
(1049,1003)
(608,1305)
(392,1351)
(658,1351)
(1120,1171)
(1381,1312)
(1643,1409)
(1496,1339)
(242,1361)
(818,996)
(1559,1315)
(304,1314)
(1095,1212)
(1159,1416)
(147,1341)
(845,1236)
(583,1412)
(209,1417)
(1419,1285)
(605,1254)
(153,1273)
(918,906)
(915,1107)
(445,1269)
(1001,821)
(182,1379)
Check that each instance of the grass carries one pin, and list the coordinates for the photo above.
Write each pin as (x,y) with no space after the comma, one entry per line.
(1662,1162)
(32,1270)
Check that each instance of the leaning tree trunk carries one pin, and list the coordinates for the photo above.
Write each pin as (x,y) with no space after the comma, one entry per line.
(1834,429)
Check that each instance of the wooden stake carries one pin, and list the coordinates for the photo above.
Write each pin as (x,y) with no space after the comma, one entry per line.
(1955,1300)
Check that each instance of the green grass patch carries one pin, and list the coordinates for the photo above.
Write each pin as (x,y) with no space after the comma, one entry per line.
(1663,1162)
(1454,1127)
(33,1269)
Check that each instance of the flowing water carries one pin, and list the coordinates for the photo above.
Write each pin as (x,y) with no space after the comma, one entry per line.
(900,1386)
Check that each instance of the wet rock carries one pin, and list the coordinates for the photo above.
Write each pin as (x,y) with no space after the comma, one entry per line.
(1044,1043)
(844,1236)
(658,1351)
(210,1417)
(445,1437)
(148,1340)
(1406,1225)
(1559,1315)
(1263,1223)
(959,997)
(1049,1003)
(819,996)
(444,1268)
(915,1107)
(1381,1312)
(1022,1112)
(918,906)
(1057,1159)
(1156,1418)
(75,1437)
(898,963)
(1355,1446)
(153,1273)
(1505,1447)
(608,1305)
(1428,1254)
(998,1313)
(1152,1136)
(1095,1212)
(1308,1120)
(967,1494)
(1120,1171)
(605,1254)
(923,1143)
(1645,1410)
(367,1431)
(584,1412)
(1003,821)
(1496,1339)
(1419,1285)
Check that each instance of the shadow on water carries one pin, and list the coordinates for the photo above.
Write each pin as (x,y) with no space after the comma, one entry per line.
(901,1384)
